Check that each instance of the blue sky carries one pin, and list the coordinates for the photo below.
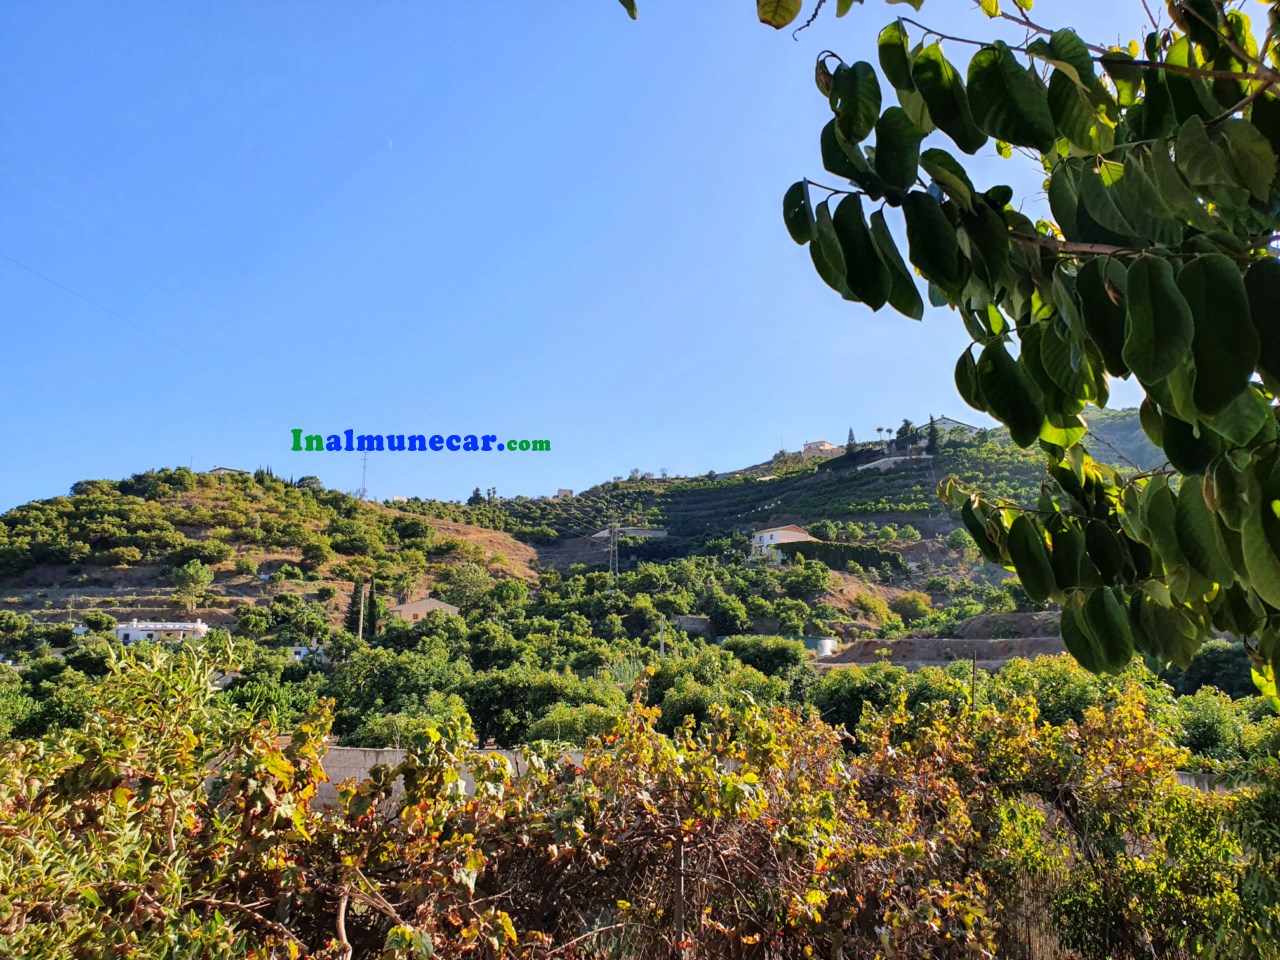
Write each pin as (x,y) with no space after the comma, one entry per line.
(533,220)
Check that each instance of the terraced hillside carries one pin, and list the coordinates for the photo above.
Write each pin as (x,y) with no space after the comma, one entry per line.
(695,509)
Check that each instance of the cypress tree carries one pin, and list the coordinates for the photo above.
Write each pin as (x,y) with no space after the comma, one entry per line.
(351,623)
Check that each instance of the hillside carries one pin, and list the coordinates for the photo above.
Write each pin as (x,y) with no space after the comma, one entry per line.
(694,510)
(109,546)
(546,641)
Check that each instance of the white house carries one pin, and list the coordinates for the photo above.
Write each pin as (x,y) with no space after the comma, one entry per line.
(417,609)
(228,471)
(159,630)
(821,450)
(299,652)
(946,424)
(764,543)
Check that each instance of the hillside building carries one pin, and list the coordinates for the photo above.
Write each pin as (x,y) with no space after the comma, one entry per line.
(821,450)
(946,425)
(159,630)
(225,471)
(415,610)
(764,543)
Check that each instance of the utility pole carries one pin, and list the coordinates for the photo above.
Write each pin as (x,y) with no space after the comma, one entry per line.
(360,628)
(613,553)
(364,476)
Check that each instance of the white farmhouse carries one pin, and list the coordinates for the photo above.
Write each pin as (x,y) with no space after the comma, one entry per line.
(764,543)
(159,630)
(417,609)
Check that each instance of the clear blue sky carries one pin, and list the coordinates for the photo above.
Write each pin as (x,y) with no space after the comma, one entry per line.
(533,220)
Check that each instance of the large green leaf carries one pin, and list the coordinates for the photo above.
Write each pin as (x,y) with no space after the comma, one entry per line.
(944,94)
(1189,450)
(897,158)
(797,212)
(1082,114)
(866,275)
(1262,552)
(828,257)
(949,176)
(1225,345)
(855,100)
(1009,394)
(1079,641)
(1159,515)
(1262,284)
(838,160)
(1158,325)
(986,243)
(1100,285)
(1250,155)
(966,377)
(1066,51)
(892,46)
(1009,102)
(1175,195)
(1068,550)
(1190,96)
(1101,197)
(1200,537)
(1030,559)
(1107,620)
(903,295)
(932,242)
(1201,162)
(778,13)
(1143,207)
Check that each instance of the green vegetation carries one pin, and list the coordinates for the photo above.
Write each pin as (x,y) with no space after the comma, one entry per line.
(176,822)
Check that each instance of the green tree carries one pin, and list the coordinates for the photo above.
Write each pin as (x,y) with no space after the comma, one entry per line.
(351,622)
(728,615)
(190,582)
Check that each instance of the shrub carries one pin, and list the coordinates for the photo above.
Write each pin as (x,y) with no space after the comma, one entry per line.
(1211,724)
(912,605)
(872,606)
(770,655)
(325,594)
(908,534)
(244,567)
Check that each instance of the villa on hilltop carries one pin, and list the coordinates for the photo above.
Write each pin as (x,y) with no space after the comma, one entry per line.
(821,450)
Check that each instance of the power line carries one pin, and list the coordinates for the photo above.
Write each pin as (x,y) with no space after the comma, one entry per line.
(92,303)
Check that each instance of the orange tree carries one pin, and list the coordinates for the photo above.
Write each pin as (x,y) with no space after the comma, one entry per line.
(1157,265)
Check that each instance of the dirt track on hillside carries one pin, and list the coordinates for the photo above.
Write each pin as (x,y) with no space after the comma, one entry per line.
(938,651)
